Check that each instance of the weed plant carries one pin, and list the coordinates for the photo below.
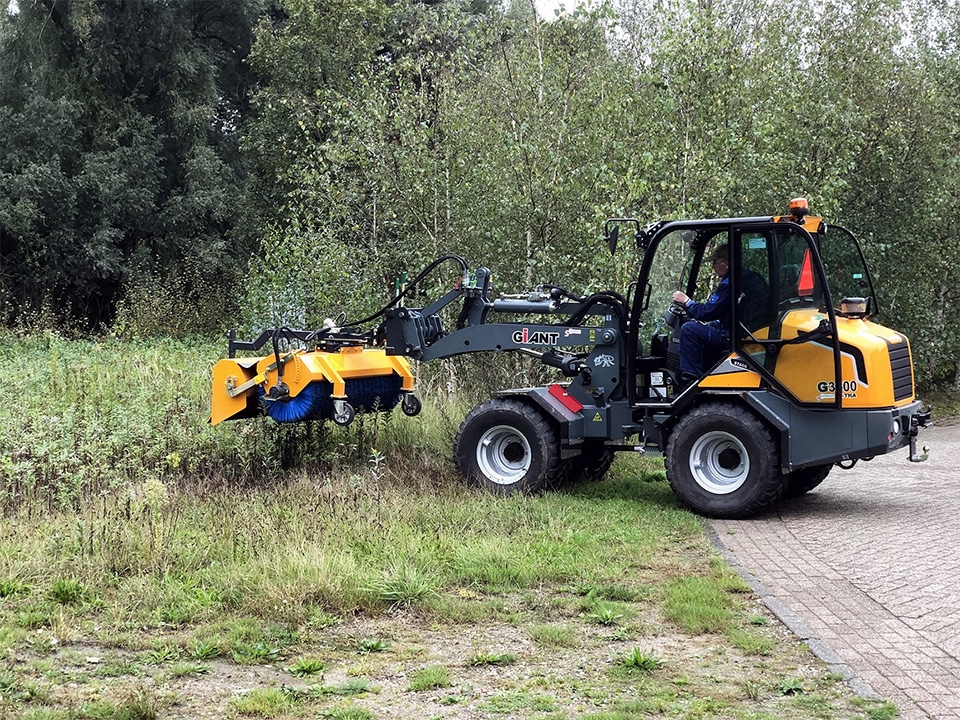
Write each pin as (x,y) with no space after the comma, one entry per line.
(372,645)
(430,678)
(484,657)
(640,661)
(304,667)
(353,686)
(264,702)
(347,712)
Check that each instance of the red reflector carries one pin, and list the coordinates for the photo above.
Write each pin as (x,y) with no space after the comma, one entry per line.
(568,402)
(805,286)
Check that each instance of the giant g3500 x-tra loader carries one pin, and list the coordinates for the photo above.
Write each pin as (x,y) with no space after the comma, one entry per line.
(808,381)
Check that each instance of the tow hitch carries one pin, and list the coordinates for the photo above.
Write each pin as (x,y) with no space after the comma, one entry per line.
(921,419)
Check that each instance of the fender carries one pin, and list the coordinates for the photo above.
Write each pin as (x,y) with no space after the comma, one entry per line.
(811,436)
(561,409)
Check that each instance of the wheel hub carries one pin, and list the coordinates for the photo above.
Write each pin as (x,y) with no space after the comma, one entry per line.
(728,459)
(503,455)
(719,462)
(513,453)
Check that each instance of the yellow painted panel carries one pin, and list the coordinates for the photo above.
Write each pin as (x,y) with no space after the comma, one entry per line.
(807,369)
(302,368)
(228,373)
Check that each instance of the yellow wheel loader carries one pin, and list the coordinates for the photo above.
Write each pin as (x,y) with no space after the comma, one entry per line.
(804,379)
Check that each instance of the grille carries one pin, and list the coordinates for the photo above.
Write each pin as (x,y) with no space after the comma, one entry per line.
(902,370)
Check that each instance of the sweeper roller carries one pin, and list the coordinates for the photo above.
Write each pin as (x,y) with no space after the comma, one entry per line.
(331,383)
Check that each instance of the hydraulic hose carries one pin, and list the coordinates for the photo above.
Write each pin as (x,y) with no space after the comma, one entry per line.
(464,267)
(611,298)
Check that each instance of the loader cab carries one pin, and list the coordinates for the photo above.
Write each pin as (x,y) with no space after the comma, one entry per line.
(782,322)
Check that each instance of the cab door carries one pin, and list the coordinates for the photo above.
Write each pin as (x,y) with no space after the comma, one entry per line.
(787,334)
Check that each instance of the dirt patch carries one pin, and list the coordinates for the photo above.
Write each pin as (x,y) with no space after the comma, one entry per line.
(562,667)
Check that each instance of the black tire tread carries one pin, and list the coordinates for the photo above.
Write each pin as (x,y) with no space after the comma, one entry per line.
(553,469)
(753,429)
(802,481)
(593,463)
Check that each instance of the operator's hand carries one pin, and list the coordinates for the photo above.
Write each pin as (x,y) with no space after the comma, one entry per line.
(679,297)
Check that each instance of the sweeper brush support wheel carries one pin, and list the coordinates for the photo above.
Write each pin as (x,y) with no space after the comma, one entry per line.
(343,412)
(410,405)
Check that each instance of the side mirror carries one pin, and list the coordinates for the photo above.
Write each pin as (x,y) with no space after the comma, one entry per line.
(612,237)
(612,232)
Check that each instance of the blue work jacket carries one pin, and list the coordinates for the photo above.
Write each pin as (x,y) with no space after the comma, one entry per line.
(717,306)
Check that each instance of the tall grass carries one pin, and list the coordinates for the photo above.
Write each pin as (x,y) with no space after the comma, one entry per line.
(129,522)
(115,478)
(360,542)
(85,418)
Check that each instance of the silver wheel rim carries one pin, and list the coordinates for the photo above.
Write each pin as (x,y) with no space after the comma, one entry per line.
(503,455)
(719,463)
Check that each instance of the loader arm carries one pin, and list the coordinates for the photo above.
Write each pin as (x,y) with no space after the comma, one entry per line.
(419,334)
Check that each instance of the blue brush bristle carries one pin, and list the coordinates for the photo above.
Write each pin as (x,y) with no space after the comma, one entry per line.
(380,393)
(295,409)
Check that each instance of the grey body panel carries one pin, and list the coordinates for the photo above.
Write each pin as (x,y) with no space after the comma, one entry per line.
(818,437)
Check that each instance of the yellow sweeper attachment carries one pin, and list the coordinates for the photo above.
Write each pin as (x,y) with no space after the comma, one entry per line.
(330,373)
(335,375)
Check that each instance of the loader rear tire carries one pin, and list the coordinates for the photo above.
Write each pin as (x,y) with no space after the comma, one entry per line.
(722,462)
(592,463)
(507,446)
(802,481)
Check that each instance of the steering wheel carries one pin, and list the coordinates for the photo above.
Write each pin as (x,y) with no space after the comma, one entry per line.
(675,314)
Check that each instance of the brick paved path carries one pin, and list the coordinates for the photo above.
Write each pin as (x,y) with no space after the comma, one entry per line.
(867,569)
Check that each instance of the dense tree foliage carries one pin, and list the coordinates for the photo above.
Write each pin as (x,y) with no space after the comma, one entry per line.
(380,134)
(119,164)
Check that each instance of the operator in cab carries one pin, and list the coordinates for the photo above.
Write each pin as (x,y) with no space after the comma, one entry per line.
(701,340)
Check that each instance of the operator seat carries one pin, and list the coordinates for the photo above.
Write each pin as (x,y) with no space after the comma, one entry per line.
(789,279)
(754,300)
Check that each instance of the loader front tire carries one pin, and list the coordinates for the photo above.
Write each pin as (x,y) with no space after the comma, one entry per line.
(507,446)
(722,462)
